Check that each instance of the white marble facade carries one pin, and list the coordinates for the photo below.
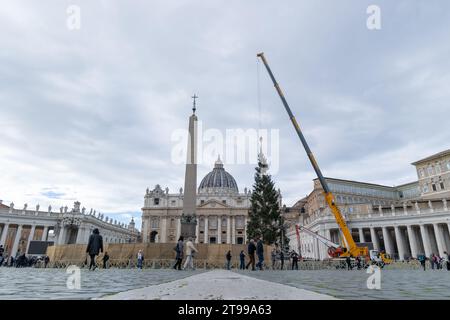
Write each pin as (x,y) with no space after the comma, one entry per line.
(405,221)
(20,226)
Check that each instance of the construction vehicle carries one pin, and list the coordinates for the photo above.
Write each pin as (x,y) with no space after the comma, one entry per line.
(352,249)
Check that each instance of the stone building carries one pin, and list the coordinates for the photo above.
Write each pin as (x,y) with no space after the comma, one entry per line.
(18,227)
(221,211)
(405,221)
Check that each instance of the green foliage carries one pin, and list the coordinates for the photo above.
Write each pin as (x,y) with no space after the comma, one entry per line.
(265,215)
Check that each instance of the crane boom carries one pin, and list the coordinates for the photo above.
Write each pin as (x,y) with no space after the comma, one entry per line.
(353,249)
(322,239)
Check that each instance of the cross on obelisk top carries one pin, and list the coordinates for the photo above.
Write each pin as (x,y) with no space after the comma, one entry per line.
(194,97)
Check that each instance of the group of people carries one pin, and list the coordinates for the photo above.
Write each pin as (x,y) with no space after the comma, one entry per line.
(184,250)
(21,260)
(255,249)
(436,262)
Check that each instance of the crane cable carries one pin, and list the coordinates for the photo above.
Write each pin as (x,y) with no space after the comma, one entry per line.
(258,92)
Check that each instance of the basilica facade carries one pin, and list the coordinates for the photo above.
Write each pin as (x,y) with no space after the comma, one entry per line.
(221,211)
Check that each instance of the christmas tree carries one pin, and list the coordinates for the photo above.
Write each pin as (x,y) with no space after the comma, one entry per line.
(265,215)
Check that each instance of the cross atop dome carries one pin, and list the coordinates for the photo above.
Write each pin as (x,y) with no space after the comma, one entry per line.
(218,163)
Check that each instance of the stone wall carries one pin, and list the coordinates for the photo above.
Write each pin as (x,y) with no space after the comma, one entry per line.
(156,255)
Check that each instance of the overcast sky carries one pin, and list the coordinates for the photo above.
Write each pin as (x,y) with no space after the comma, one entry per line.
(88,114)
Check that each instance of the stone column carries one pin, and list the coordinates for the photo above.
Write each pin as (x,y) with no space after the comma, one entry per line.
(316,249)
(375,240)
(4,234)
(44,233)
(62,235)
(178,229)
(219,229)
(387,242)
(16,241)
(163,229)
(197,233)
(412,241)
(245,230)
(80,234)
(206,230)
(400,243)
(361,235)
(30,237)
(439,239)
(233,230)
(229,230)
(426,240)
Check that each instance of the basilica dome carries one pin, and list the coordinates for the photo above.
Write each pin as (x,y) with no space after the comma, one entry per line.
(218,180)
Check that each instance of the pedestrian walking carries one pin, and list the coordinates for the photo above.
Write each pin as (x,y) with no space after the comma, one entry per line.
(273,256)
(260,253)
(294,257)
(242,260)
(140,259)
(190,251)
(2,250)
(251,254)
(422,259)
(95,246)
(432,260)
(349,263)
(105,260)
(282,260)
(46,261)
(179,250)
(228,256)
(446,260)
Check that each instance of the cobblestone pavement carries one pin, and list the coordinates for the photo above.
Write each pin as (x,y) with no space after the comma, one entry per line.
(35,283)
(343,284)
(30,283)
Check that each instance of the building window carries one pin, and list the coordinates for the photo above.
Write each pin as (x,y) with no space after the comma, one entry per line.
(212,223)
(156,201)
(442,185)
(224,201)
(202,201)
(434,187)
(212,240)
(438,168)
(173,202)
(430,171)
(172,223)
(421,173)
(240,240)
(155,224)
(425,188)
(448,165)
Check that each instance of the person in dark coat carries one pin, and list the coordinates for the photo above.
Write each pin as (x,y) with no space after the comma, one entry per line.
(228,257)
(242,260)
(46,261)
(282,260)
(251,254)
(95,246)
(105,260)
(295,258)
(179,250)
(260,253)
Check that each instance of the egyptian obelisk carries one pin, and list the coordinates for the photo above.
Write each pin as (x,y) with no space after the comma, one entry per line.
(188,219)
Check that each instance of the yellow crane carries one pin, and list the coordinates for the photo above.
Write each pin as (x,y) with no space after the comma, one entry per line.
(352,249)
